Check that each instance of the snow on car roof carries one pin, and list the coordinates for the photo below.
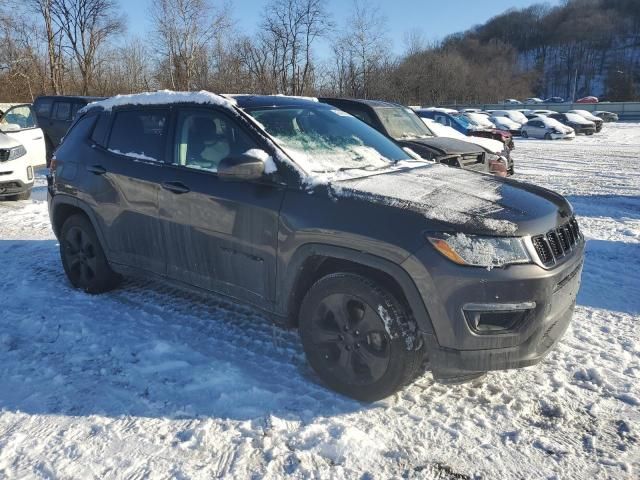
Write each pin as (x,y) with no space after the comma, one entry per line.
(161,97)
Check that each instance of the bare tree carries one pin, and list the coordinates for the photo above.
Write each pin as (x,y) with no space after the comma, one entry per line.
(54,39)
(290,28)
(87,25)
(184,31)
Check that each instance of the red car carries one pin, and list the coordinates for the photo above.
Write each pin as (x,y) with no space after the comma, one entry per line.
(589,99)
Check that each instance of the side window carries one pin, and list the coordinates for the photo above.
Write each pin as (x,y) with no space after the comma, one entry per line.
(43,107)
(75,108)
(79,132)
(62,111)
(99,135)
(204,138)
(17,118)
(139,133)
(362,115)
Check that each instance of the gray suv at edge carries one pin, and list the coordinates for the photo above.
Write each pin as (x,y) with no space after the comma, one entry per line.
(384,261)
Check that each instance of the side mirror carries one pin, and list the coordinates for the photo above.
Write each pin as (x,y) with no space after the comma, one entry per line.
(240,167)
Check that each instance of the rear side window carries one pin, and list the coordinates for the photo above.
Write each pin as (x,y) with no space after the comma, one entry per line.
(99,135)
(75,108)
(139,133)
(62,111)
(43,107)
(79,132)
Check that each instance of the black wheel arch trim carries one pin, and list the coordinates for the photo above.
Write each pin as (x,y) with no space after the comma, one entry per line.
(62,199)
(294,270)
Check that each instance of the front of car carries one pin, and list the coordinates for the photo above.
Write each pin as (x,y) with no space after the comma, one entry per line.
(578,123)
(505,123)
(16,172)
(606,116)
(557,130)
(496,262)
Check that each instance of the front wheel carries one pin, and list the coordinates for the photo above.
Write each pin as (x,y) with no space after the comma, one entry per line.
(547,136)
(358,337)
(83,258)
(525,134)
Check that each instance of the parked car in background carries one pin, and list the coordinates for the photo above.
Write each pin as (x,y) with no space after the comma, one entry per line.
(56,114)
(502,166)
(512,101)
(606,116)
(470,110)
(554,100)
(505,123)
(547,128)
(380,260)
(533,100)
(22,148)
(402,125)
(514,115)
(588,99)
(468,124)
(544,112)
(589,116)
(578,123)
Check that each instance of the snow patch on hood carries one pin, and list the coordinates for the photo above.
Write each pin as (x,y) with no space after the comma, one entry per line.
(441,193)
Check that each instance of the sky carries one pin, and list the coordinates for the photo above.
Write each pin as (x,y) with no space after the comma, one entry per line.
(434,18)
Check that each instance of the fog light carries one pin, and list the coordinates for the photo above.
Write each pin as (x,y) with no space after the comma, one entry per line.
(29,172)
(493,318)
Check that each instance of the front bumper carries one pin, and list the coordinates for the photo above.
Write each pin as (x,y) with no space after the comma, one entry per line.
(13,187)
(563,136)
(452,293)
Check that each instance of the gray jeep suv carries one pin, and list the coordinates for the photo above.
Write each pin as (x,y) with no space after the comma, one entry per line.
(384,261)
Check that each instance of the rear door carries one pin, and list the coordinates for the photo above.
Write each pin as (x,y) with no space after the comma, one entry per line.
(19,123)
(122,182)
(60,120)
(220,235)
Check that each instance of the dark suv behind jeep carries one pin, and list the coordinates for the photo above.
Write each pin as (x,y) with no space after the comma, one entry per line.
(382,260)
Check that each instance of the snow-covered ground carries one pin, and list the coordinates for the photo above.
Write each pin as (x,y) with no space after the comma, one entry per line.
(145,382)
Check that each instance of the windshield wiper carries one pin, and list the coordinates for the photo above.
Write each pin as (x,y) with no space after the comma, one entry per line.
(368,168)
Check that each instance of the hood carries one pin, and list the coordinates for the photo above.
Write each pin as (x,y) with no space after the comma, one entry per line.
(7,142)
(442,145)
(458,200)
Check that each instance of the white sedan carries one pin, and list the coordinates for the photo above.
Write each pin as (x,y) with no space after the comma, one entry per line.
(547,128)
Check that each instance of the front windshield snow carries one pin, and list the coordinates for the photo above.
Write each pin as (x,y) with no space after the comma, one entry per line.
(402,124)
(323,139)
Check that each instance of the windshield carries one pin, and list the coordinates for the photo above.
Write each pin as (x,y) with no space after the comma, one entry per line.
(464,121)
(323,139)
(402,124)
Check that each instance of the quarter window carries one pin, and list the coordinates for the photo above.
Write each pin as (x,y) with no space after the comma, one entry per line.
(205,138)
(139,134)
(43,107)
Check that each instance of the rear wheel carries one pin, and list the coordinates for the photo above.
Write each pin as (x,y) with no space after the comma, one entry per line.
(358,337)
(525,134)
(83,258)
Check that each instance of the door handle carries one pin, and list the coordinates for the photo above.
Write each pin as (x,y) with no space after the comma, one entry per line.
(97,169)
(175,187)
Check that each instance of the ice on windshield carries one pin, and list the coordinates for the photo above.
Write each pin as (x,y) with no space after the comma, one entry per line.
(402,123)
(322,139)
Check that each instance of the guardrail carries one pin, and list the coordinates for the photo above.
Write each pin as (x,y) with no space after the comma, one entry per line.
(625,110)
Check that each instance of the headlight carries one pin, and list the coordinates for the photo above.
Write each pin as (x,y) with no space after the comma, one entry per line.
(479,251)
(17,152)
(492,157)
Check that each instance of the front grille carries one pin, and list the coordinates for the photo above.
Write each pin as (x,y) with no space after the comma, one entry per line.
(4,154)
(467,159)
(557,243)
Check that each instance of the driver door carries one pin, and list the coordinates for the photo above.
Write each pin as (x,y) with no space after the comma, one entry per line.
(220,235)
(19,123)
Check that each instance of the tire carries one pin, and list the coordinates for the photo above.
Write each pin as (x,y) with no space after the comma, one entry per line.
(83,258)
(26,195)
(349,345)
(525,134)
(547,136)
